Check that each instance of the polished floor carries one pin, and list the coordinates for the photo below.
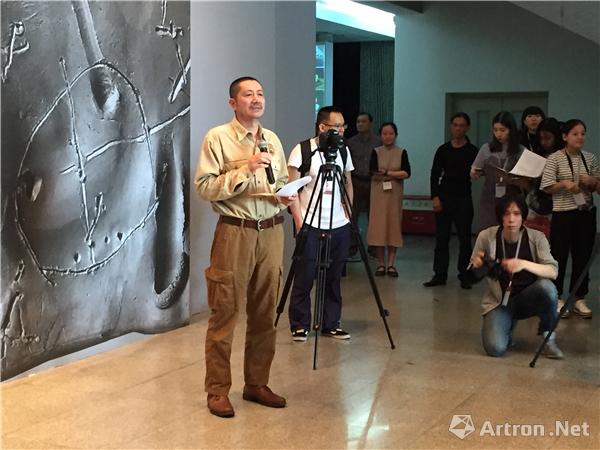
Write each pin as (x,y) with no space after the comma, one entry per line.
(149,394)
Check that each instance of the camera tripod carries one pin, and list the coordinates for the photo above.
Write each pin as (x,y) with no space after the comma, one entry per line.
(328,172)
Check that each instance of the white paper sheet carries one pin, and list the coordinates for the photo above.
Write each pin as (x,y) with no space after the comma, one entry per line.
(529,165)
(292,188)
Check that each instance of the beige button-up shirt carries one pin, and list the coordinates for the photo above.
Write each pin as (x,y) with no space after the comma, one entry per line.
(224,179)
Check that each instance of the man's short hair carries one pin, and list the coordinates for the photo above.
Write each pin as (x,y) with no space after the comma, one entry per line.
(364,113)
(503,204)
(325,111)
(234,87)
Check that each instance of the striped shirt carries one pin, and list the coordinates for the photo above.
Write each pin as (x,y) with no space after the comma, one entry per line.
(558,169)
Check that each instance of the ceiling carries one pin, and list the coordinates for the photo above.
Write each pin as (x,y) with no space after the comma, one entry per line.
(343,33)
(579,17)
(582,18)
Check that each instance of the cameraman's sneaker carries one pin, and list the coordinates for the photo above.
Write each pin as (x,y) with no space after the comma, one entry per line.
(561,303)
(338,333)
(551,350)
(299,335)
(581,309)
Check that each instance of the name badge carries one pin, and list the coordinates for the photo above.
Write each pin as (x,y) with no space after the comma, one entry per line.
(506,297)
(328,188)
(500,190)
(387,185)
(579,199)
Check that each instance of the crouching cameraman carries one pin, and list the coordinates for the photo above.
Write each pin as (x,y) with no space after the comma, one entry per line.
(517,263)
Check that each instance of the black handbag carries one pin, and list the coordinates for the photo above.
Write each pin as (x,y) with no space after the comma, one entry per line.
(540,202)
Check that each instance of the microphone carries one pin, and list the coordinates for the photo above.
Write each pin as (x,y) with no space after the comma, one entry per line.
(264,148)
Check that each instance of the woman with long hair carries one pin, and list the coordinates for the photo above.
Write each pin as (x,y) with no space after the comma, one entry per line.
(502,152)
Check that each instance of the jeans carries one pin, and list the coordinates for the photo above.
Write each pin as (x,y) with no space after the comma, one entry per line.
(306,270)
(538,299)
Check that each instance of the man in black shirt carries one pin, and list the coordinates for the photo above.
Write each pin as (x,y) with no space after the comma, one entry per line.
(451,195)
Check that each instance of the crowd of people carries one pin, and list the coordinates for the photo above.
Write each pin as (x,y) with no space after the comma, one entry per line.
(525,270)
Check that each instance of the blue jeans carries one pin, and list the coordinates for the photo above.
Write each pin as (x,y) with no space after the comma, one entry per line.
(306,270)
(538,299)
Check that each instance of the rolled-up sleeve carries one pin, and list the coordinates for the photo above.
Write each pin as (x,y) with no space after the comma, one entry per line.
(544,255)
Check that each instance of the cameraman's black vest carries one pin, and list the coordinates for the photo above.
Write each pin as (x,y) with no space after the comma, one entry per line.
(307,154)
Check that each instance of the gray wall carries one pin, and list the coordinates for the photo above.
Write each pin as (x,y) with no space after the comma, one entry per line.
(93,229)
(485,47)
(272,41)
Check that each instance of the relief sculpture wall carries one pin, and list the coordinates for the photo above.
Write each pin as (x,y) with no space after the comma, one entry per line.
(95,156)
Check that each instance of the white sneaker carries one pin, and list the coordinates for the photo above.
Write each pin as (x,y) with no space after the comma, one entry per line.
(561,303)
(300,335)
(581,309)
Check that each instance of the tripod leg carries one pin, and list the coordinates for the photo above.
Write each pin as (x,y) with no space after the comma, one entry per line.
(299,249)
(569,303)
(363,255)
(319,303)
(298,252)
(286,290)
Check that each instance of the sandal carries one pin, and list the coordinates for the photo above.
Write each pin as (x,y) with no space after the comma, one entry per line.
(380,271)
(392,272)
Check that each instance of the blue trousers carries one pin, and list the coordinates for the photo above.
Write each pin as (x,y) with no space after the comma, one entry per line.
(306,271)
(538,299)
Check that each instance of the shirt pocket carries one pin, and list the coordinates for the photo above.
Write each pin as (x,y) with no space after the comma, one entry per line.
(234,164)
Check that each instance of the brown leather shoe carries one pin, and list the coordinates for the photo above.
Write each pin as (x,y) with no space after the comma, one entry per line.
(219,405)
(264,396)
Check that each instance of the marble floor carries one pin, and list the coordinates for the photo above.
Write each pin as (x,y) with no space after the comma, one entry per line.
(149,394)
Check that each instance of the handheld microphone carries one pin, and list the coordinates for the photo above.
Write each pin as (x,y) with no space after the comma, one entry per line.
(264,148)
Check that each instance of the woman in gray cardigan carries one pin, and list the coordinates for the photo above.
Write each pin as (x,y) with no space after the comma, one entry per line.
(519,269)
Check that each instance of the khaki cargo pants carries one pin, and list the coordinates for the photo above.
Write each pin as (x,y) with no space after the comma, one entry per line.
(245,269)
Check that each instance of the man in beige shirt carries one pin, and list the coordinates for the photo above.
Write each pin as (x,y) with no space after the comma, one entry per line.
(247,250)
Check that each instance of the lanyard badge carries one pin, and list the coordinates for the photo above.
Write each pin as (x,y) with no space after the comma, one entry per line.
(509,287)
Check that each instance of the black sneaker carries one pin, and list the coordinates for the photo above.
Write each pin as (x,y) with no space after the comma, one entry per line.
(299,335)
(338,333)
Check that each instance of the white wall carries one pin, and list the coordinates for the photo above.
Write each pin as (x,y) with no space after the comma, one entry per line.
(272,41)
(485,47)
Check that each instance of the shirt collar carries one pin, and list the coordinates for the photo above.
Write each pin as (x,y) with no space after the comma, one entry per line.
(241,132)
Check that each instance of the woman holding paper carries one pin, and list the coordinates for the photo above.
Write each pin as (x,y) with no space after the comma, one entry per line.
(390,167)
(493,161)
(572,176)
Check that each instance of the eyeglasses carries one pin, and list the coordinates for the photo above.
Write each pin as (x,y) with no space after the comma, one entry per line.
(339,126)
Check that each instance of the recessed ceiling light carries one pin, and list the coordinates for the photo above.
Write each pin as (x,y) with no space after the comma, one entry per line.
(357,15)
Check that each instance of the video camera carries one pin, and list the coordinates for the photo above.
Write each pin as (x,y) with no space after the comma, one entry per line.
(491,268)
(330,143)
